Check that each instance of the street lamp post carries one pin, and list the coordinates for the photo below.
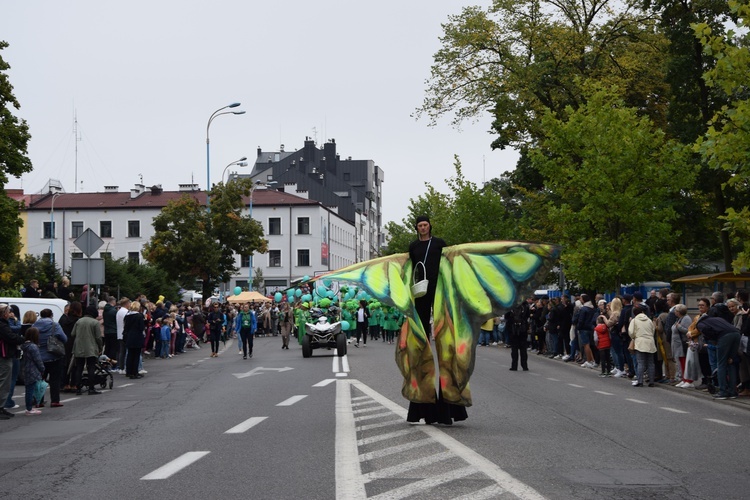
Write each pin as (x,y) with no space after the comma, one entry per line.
(240,163)
(216,113)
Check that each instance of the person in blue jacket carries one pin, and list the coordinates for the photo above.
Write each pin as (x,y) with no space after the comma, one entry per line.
(245,323)
(53,365)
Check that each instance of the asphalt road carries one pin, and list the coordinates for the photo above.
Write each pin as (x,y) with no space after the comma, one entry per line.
(278,426)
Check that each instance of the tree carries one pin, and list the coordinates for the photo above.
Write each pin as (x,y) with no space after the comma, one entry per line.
(125,278)
(726,145)
(14,160)
(613,177)
(518,59)
(191,242)
(468,214)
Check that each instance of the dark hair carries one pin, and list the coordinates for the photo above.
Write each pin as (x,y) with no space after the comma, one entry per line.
(639,309)
(32,334)
(584,298)
(45,313)
(742,295)
(92,311)
(76,309)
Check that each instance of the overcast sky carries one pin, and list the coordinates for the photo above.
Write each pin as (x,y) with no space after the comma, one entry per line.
(143,77)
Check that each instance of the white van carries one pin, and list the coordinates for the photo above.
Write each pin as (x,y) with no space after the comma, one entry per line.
(27,304)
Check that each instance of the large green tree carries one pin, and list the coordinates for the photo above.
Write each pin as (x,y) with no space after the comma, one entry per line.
(14,161)
(191,242)
(725,148)
(611,178)
(518,59)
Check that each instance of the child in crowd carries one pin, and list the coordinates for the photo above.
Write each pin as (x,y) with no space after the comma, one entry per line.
(603,344)
(33,368)
(165,334)
(156,329)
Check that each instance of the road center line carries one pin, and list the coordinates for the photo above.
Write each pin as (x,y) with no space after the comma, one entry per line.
(325,382)
(637,401)
(349,482)
(673,410)
(175,465)
(292,400)
(604,393)
(576,385)
(345,364)
(244,426)
(722,422)
(335,362)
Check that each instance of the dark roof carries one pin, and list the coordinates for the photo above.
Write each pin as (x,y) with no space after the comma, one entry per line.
(122,200)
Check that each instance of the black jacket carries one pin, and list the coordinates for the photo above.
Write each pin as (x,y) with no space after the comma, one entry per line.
(9,341)
(714,328)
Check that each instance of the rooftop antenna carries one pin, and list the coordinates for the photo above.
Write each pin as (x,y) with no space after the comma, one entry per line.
(77,140)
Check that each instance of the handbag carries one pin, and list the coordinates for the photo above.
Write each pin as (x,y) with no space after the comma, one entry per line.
(631,346)
(419,288)
(39,389)
(55,346)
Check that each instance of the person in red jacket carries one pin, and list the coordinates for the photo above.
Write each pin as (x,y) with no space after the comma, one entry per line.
(603,344)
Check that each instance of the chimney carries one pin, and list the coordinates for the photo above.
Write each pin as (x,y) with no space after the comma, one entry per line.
(260,151)
(329,151)
(137,191)
(111,189)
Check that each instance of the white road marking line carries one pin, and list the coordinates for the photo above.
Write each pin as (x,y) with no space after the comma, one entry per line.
(384,436)
(368,410)
(292,400)
(392,450)
(175,465)
(335,362)
(201,360)
(397,420)
(345,363)
(244,426)
(349,482)
(69,399)
(722,422)
(491,491)
(674,410)
(637,401)
(360,398)
(553,379)
(604,393)
(576,385)
(534,374)
(125,385)
(426,484)
(342,374)
(407,466)
(365,403)
(370,417)
(477,461)
(325,382)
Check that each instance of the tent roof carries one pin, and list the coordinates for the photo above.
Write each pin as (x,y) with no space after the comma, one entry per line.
(726,277)
(247,297)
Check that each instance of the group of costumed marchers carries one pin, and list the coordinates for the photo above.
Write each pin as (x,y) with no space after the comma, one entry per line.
(467,285)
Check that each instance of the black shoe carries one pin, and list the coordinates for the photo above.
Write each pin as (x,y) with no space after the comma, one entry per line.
(526,369)
(5,414)
(244,357)
(79,392)
(94,391)
(650,385)
(513,369)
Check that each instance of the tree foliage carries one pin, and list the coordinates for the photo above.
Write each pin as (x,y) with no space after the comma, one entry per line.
(191,242)
(613,177)
(125,278)
(726,145)
(518,59)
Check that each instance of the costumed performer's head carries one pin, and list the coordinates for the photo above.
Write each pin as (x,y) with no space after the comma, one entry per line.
(423,227)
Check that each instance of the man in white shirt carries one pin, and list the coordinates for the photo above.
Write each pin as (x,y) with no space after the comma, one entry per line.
(121,313)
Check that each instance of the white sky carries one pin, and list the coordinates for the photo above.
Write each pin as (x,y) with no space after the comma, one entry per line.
(143,78)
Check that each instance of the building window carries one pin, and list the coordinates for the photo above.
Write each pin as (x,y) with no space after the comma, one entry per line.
(274,225)
(105,255)
(133,257)
(76,255)
(244,261)
(49,230)
(274,258)
(105,229)
(303,225)
(134,229)
(76,229)
(303,258)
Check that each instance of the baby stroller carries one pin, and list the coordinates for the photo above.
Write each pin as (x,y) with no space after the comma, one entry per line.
(102,374)
(191,339)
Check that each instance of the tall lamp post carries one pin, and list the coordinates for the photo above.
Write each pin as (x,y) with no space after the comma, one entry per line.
(240,163)
(252,192)
(216,113)
(52,229)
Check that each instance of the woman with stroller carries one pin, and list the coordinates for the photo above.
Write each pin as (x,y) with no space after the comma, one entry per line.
(87,345)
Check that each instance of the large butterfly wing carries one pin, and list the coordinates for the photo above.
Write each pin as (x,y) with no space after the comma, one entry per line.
(479,281)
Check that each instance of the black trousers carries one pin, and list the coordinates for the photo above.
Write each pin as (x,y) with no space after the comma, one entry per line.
(90,363)
(131,361)
(362,331)
(518,345)
(53,372)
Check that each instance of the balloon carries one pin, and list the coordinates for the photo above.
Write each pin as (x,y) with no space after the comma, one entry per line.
(290,293)
(321,290)
(277,297)
(327,282)
(307,297)
(305,278)
(344,325)
(298,293)
(237,290)
(325,302)
(331,294)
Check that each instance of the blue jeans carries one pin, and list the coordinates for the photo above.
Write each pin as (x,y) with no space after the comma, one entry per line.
(713,357)
(553,340)
(616,350)
(726,348)
(9,403)
(30,389)
(484,337)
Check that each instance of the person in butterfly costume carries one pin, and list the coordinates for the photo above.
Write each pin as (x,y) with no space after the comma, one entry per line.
(468,284)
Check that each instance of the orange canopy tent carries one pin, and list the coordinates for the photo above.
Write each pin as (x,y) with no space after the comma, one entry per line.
(247,297)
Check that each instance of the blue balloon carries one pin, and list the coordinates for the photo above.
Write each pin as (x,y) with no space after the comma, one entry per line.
(344,325)
(331,294)
(327,282)
(307,298)
(298,293)
(237,290)
(305,278)
(321,290)
(290,293)
(277,297)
